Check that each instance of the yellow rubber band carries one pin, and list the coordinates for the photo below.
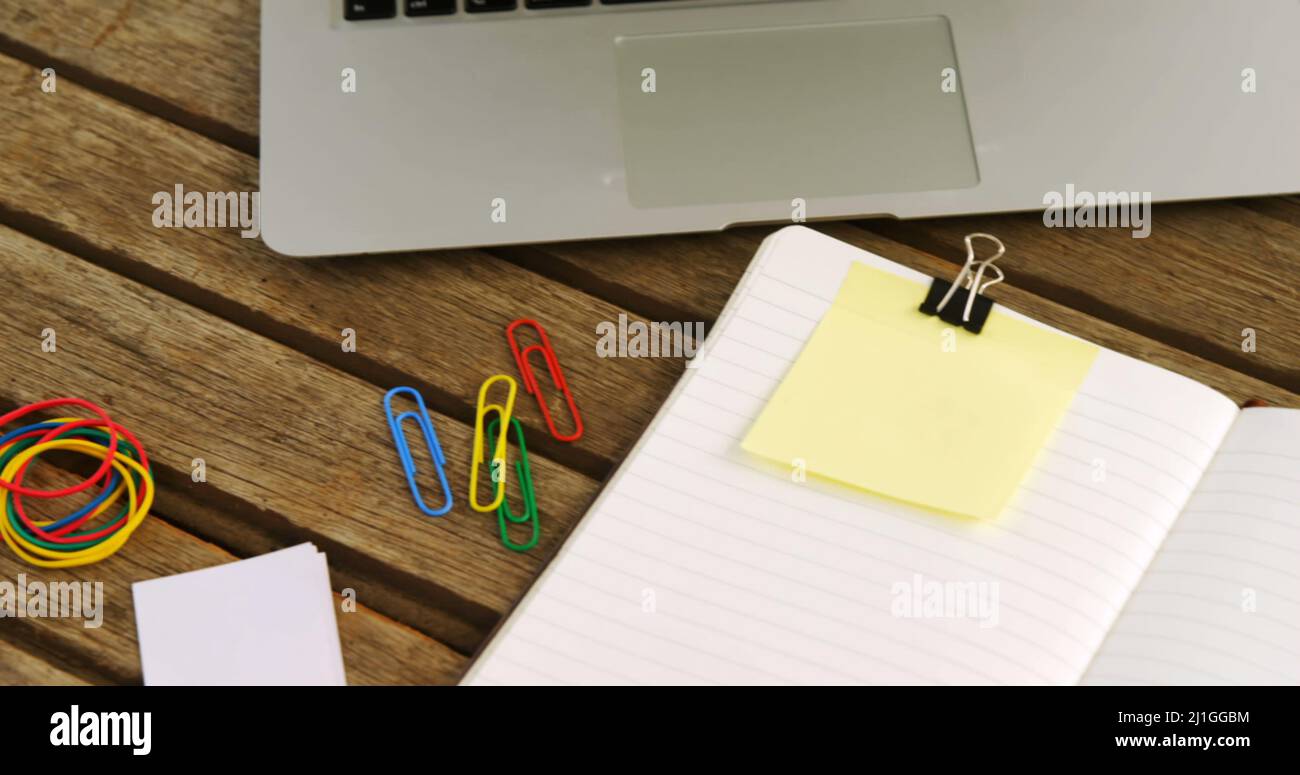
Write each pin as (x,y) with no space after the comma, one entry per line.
(45,558)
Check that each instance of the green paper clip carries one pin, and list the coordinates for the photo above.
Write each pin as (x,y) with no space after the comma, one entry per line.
(506,518)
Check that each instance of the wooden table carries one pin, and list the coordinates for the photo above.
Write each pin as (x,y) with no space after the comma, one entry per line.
(210,346)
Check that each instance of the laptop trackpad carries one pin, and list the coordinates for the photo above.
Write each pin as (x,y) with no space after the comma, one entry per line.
(777,113)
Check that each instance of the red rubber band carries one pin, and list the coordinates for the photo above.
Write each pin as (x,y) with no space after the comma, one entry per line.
(59,536)
(101,473)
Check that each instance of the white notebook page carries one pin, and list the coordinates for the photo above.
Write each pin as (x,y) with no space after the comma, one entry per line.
(700,564)
(1221,601)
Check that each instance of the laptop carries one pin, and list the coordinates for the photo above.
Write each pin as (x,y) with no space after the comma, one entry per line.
(392,125)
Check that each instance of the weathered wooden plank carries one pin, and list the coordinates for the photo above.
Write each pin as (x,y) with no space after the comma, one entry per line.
(1207,271)
(20,668)
(195,63)
(1282,208)
(84,170)
(376,650)
(291,446)
(686,277)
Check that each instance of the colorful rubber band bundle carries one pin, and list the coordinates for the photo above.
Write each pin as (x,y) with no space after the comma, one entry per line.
(123,477)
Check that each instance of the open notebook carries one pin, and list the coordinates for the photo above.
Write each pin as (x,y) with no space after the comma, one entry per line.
(701,564)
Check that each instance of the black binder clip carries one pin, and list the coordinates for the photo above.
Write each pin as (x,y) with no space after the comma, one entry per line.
(972,307)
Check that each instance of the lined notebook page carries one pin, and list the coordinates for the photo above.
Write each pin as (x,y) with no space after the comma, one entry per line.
(699,564)
(1221,601)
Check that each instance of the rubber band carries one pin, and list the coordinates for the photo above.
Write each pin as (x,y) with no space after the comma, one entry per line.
(70,425)
(70,522)
(80,537)
(76,488)
(66,525)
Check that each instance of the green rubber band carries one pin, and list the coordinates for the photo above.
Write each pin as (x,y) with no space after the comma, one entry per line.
(92,434)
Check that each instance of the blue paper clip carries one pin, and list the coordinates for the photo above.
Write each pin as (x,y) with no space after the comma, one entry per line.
(404,449)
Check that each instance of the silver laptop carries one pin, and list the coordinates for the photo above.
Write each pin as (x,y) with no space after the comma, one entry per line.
(405,124)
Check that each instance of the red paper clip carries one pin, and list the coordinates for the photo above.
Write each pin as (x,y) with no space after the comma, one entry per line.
(557,376)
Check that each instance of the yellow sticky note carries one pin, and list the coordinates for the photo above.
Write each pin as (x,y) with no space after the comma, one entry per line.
(888,399)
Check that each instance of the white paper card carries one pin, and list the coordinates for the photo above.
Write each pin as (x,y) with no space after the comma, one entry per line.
(266,620)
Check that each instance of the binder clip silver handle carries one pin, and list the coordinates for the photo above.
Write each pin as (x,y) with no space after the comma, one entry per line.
(970,281)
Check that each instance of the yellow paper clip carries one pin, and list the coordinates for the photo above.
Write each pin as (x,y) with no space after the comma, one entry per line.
(499,455)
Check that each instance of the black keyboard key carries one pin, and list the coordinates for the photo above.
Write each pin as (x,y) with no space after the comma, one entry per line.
(555,3)
(357,10)
(625,2)
(430,7)
(483,6)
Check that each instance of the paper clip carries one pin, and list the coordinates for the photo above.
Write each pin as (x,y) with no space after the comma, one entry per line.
(499,455)
(557,376)
(505,517)
(404,449)
(975,306)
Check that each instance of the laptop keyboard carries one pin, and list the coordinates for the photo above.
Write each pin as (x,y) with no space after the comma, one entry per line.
(362,10)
